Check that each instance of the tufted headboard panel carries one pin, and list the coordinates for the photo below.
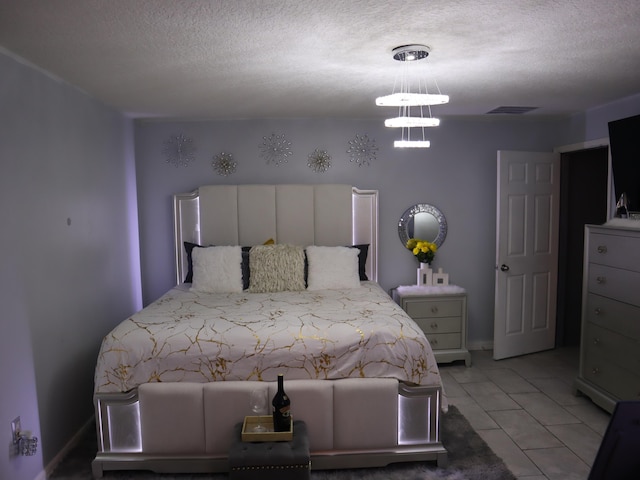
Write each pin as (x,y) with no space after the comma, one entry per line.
(324,214)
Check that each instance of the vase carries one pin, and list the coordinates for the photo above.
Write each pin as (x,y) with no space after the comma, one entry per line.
(425,274)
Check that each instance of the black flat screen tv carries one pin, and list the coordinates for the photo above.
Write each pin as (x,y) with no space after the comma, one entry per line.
(624,142)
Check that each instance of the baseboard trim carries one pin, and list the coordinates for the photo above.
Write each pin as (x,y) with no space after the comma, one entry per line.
(71,444)
(480,345)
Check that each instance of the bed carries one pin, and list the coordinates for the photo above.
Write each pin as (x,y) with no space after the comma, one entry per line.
(294,291)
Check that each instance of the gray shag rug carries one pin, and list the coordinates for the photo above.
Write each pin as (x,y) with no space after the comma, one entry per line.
(470,458)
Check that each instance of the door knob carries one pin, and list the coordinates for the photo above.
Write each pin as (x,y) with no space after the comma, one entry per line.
(504,268)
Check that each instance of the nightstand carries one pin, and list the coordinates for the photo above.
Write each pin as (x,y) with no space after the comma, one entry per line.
(441,312)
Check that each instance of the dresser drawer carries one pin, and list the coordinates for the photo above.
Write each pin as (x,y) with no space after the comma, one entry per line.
(619,382)
(614,250)
(440,324)
(614,315)
(444,341)
(616,348)
(614,283)
(425,308)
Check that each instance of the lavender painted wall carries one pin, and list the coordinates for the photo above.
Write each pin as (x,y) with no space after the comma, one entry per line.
(68,249)
(593,124)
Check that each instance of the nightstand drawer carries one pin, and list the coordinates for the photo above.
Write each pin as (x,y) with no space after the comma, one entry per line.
(444,341)
(442,316)
(422,308)
(440,325)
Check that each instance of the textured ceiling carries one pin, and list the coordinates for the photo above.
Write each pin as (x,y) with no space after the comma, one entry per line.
(328,58)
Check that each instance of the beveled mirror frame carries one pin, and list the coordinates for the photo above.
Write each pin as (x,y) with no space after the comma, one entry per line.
(407,217)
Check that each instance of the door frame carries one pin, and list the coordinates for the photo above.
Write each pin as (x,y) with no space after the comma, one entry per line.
(600,142)
(610,212)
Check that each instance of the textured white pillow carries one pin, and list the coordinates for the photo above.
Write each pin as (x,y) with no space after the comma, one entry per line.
(217,269)
(332,267)
(276,268)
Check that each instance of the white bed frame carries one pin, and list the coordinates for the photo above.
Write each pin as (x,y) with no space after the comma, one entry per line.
(352,423)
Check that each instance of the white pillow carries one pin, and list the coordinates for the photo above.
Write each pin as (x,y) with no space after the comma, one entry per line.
(217,270)
(332,267)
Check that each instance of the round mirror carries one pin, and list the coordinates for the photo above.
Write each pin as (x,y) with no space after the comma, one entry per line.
(423,221)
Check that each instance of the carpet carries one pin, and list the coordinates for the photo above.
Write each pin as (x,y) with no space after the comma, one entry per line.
(470,458)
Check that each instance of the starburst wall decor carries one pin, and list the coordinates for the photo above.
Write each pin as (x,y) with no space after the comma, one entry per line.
(224,164)
(319,161)
(275,149)
(179,150)
(362,150)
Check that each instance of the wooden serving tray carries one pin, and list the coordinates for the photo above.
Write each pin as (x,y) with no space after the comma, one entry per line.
(248,435)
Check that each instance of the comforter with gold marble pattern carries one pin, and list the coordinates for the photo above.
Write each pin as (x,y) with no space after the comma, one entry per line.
(327,334)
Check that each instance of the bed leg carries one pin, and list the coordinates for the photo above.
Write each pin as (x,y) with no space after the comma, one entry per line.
(98,472)
(442,460)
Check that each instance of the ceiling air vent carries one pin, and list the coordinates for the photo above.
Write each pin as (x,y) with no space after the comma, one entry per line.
(511,110)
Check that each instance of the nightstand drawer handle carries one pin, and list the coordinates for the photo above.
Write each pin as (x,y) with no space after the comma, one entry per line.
(434,326)
(595,371)
(597,311)
(601,280)
(434,341)
(602,249)
(434,309)
(596,341)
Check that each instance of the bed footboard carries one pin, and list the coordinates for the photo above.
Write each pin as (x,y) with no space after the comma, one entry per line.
(188,427)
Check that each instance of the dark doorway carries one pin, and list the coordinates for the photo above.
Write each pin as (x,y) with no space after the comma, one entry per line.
(583,200)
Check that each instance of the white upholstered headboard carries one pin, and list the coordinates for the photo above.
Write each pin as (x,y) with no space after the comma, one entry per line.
(246,215)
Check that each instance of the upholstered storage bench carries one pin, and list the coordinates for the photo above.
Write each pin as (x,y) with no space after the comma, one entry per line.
(271,460)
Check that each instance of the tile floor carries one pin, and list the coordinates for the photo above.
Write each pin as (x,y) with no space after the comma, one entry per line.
(525,409)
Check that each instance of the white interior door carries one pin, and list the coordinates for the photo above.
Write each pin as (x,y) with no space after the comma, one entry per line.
(528,205)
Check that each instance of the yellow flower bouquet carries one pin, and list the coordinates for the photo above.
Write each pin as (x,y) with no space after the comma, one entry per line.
(424,251)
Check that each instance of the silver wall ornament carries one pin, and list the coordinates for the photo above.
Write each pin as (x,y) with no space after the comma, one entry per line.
(275,149)
(224,164)
(319,161)
(362,150)
(179,150)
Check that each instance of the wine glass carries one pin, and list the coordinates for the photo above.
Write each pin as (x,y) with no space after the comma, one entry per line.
(258,402)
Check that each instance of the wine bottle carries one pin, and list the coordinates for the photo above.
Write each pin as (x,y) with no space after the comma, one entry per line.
(281,408)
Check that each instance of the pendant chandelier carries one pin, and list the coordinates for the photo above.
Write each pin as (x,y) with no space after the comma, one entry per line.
(412,97)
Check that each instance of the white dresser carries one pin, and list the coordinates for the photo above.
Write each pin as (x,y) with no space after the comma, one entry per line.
(441,312)
(610,337)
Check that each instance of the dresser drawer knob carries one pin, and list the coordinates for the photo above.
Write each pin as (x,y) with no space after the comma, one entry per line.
(596,341)
(595,371)
(434,341)
(601,280)
(597,311)
(602,249)
(434,309)
(434,326)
